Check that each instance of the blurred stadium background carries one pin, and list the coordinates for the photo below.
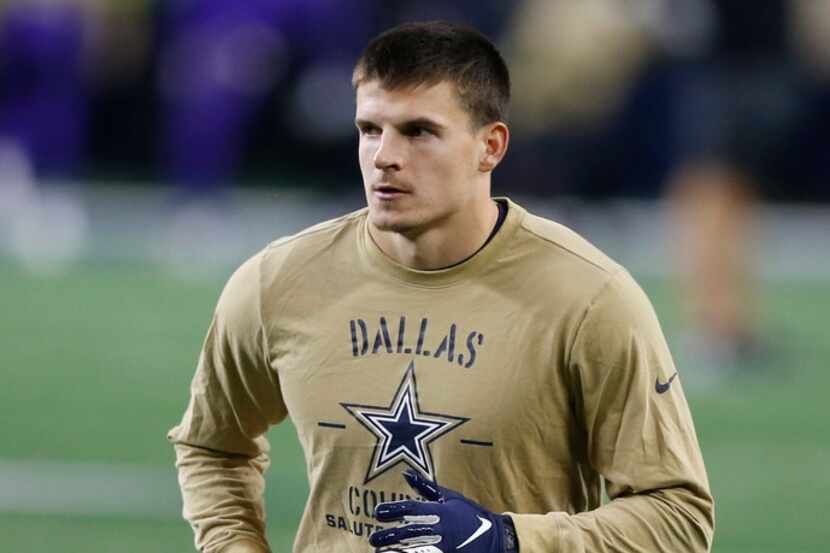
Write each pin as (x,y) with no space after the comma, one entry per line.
(147,148)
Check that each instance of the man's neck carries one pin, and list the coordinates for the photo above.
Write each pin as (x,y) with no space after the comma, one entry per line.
(442,246)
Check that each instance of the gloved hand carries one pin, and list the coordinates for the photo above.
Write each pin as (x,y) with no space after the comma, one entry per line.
(445,523)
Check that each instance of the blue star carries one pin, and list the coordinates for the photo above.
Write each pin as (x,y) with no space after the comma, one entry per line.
(404,432)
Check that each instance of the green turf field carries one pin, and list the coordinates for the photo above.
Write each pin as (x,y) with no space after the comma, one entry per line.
(95,366)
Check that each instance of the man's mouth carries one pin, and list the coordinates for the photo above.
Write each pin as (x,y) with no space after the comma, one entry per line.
(387,191)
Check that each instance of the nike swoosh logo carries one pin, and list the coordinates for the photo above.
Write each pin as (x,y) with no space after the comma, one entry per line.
(483,527)
(663,388)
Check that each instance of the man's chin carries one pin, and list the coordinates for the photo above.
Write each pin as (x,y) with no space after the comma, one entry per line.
(385,224)
(389,222)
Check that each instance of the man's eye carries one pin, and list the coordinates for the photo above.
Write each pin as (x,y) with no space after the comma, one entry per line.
(369,131)
(415,132)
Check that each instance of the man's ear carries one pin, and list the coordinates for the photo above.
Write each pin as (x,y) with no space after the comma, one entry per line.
(495,138)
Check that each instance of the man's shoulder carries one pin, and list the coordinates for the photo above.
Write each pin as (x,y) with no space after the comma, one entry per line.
(312,242)
(556,243)
(297,250)
(319,235)
(580,271)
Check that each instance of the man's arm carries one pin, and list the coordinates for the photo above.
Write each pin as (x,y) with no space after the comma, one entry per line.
(221,453)
(222,496)
(639,436)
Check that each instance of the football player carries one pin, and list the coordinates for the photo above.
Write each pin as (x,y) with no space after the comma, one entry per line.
(507,364)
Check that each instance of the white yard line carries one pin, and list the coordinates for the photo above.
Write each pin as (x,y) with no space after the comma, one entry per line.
(53,487)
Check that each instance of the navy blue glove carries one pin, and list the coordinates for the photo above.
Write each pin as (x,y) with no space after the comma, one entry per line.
(445,523)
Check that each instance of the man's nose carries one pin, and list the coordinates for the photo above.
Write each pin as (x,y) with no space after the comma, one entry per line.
(389,154)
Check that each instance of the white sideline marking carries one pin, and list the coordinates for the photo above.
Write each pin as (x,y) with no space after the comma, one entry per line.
(52,487)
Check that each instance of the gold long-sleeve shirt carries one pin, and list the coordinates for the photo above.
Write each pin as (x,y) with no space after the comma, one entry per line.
(524,378)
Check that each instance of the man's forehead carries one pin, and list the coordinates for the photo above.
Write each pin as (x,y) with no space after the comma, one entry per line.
(427,99)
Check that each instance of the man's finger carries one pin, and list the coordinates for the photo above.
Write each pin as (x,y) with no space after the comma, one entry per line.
(406,535)
(401,510)
(428,489)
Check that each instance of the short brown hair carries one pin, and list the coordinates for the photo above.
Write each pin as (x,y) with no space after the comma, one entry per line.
(428,53)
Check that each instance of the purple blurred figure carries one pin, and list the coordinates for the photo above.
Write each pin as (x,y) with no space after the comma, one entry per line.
(42,105)
(220,62)
(43,117)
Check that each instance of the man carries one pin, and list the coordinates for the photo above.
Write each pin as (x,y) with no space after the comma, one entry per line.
(449,334)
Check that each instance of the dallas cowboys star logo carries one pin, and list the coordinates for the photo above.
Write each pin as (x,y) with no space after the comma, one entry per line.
(404,432)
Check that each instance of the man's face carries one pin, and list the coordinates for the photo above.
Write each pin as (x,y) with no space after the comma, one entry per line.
(419,156)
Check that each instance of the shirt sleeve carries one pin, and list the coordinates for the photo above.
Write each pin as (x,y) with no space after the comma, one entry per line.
(221,451)
(639,436)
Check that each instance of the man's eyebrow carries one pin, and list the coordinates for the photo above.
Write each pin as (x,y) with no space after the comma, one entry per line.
(423,122)
(417,122)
